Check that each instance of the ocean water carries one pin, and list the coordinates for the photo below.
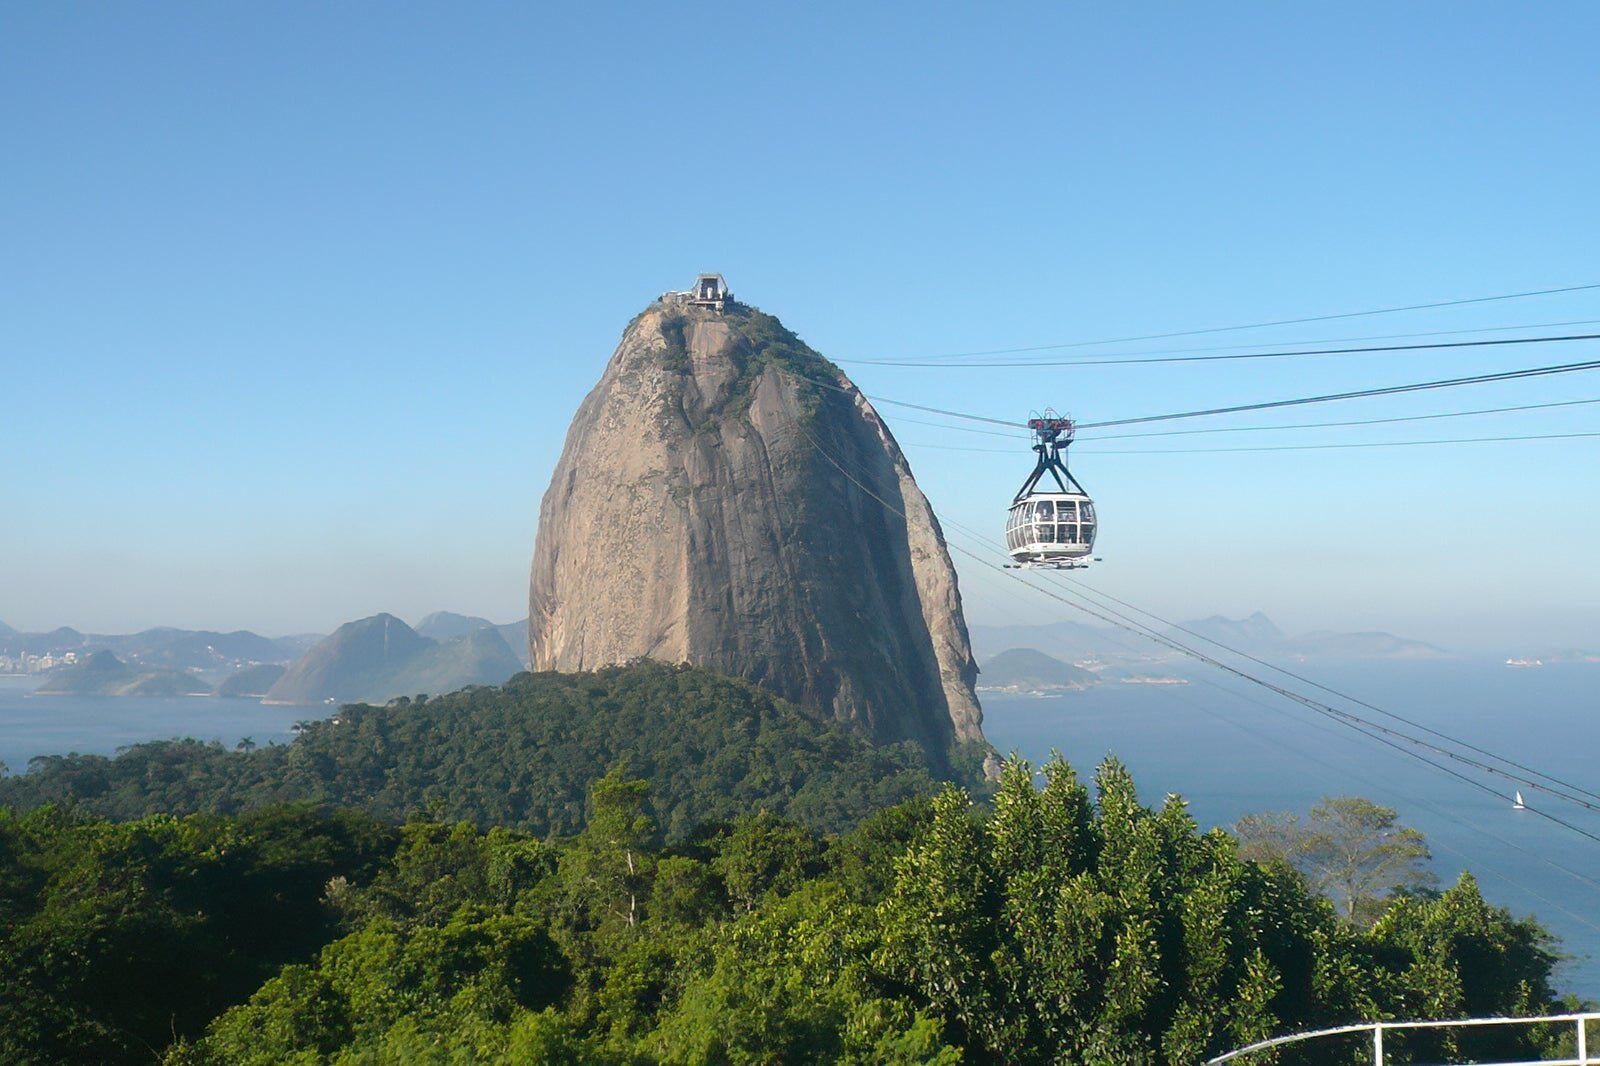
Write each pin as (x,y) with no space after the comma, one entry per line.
(1230,748)
(33,725)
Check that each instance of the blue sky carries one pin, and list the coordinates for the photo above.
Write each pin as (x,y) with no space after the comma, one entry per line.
(298,299)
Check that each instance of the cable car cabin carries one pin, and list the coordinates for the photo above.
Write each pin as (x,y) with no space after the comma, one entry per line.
(1045,528)
(1051,529)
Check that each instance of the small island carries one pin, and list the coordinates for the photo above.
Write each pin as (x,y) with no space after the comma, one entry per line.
(1026,672)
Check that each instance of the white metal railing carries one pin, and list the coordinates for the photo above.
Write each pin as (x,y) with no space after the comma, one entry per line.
(1377,1029)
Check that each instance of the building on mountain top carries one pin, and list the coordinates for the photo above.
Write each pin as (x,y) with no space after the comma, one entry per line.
(710,291)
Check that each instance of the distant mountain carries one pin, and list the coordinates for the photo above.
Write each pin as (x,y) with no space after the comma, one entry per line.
(54,642)
(479,658)
(378,658)
(1325,645)
(515,634)
(202,650)
(446,625)
(1027,670)
(164,647)
(252,681)
(352,663)
(103,674)
(1067,641)
(1255,635)
(292,647)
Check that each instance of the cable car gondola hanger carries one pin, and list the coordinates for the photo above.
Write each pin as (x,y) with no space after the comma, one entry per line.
(1051,529)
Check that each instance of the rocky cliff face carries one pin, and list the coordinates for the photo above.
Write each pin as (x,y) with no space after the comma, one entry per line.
(727,498)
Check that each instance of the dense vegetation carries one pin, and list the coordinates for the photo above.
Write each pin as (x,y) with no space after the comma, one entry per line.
(522,755)
(1062,925)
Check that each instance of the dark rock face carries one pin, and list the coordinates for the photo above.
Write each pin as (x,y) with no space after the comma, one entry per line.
(727,498)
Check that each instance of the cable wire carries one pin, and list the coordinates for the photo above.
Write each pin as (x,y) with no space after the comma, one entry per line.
(1285,343)
(1310,425)
(1374,731)
(1323,447)
(1279,322)
(1132,360)
(1392,390)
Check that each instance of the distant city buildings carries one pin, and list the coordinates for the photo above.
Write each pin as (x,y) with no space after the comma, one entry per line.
(23,663)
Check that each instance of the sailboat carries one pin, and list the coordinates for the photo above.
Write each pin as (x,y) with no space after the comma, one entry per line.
(1517,804)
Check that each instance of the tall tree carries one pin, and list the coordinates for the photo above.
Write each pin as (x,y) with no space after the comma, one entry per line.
(1350,849)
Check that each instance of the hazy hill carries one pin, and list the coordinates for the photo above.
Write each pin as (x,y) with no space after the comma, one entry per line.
(55,641)
(202,649)
(381,657)
(1067,641)
(1323,644)
(103,674)
(1027,670)
(446,625)
(164,647)
(478,658)
(515,634)
(252,681)
(1255,635)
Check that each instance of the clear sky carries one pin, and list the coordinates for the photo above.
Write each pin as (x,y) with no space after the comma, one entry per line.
(297,300)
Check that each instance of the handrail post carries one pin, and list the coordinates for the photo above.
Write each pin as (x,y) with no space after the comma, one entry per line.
(1377,1044)
(1583,1045)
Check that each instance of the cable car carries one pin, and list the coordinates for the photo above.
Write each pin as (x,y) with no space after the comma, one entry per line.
(1051,529)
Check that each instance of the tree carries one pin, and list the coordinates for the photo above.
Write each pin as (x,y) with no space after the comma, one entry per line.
(610,866)
(1350,849)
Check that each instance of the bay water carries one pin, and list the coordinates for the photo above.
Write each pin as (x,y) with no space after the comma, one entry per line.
(33,725)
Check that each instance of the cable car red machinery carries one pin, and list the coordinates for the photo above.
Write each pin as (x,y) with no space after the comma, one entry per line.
(1051,528)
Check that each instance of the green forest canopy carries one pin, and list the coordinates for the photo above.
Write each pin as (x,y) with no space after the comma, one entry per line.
(1063,924)
(462,879)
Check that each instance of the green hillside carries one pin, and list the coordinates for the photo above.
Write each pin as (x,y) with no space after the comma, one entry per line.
(521,755)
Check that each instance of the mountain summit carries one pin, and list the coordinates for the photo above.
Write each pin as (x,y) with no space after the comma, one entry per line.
(728,498)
